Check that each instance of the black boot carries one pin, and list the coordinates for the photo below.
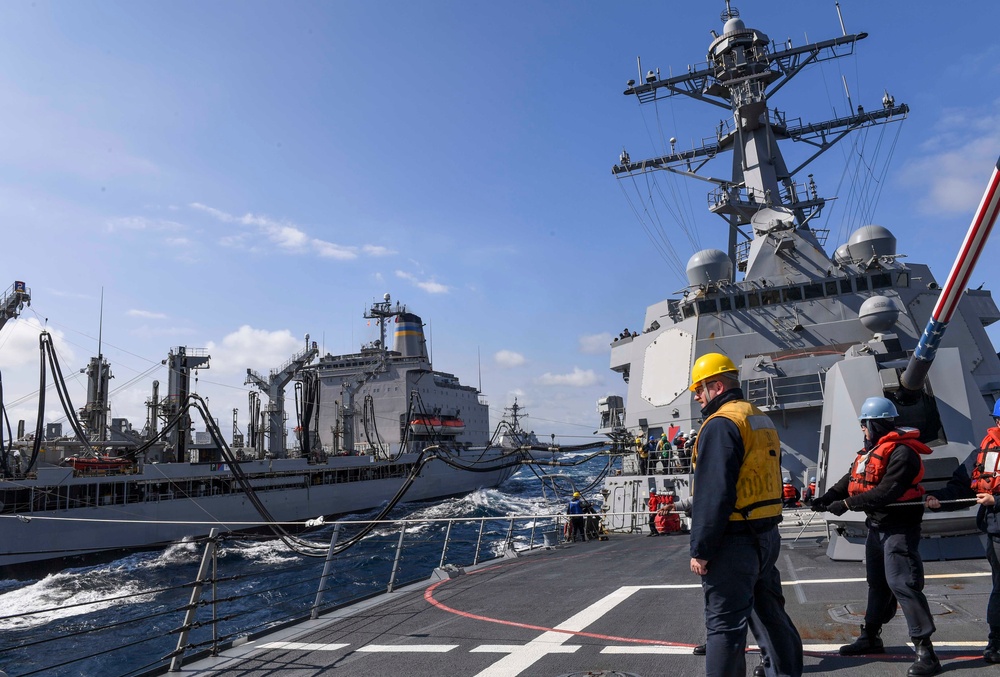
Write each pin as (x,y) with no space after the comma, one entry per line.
(991,654)
(699,650)
(869,642)
(927,663)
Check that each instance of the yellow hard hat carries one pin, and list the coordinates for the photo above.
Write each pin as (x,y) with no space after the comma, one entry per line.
(709,365)
(576,494)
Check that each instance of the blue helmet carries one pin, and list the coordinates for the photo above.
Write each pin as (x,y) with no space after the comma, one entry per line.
(996,410)
(812,479)
(877,407)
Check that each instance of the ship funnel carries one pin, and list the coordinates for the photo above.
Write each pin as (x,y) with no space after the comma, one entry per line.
(409,339)
(709,266)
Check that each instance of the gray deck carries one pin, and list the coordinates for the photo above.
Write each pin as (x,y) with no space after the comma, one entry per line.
(628,604)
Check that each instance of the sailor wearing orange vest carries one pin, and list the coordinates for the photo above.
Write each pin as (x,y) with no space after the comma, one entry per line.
(979,477)
(789,495)
(809,492)
(888,470)
(654,505)
(734,534)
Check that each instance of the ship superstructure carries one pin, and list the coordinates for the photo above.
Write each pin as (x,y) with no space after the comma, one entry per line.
(379,401)
(812,333)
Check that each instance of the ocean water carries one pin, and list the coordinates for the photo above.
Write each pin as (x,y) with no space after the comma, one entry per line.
(119,617)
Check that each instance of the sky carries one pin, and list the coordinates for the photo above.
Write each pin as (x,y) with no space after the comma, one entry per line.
(233,176)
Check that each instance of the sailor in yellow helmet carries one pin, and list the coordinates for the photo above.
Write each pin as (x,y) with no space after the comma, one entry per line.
(734,533)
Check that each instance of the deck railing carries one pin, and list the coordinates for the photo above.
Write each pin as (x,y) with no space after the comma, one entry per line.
(225,601)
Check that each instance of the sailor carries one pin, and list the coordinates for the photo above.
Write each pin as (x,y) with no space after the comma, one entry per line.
(888,470)
(978,477)
(577,525)
(789,495)
(809,492)
(734,532)
(17,461)
(643,454)
(653,505)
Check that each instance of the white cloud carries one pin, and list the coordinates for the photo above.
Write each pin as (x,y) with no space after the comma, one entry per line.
(328,250)
(595,344)
(579,378)
(252,348)
(952,174)
(429,286)
(142,223)
(508,358)
(285,235)
(148,314)
(19,344)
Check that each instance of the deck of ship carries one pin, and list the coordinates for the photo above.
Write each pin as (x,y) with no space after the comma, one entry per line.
(628,605)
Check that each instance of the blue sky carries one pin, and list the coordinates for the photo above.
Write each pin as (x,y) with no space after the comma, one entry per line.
(235,175)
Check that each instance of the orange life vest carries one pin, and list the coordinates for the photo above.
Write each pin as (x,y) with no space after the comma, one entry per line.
(868,470)
(788,491)
(812,488)
(985,474)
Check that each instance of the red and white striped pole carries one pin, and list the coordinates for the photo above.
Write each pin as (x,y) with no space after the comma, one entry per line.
(958,280)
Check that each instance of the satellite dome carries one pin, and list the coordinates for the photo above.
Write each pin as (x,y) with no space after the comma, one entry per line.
(842,255)
(734,24)
(871,240)
(878,314)
(709,266)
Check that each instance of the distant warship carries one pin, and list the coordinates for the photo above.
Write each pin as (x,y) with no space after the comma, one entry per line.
(812,334)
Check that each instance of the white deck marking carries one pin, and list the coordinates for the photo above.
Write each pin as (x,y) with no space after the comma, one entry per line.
(302,646)
(406,648)
(510,648)
(639,649)
(520,658)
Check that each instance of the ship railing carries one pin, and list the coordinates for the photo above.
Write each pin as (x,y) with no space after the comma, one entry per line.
(773,393)
(224,603)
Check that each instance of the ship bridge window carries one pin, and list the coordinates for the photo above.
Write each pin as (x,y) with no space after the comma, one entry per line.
(754,299)
(739,302)
(903,280)
(770,297)
(792,294)
(688,310)
(845,286)
(861,283)
(706,306)
(814,291)
(725,303)
(881,281)
(831,288)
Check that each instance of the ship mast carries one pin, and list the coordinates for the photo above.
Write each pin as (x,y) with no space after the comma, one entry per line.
(381,312)
(762,199)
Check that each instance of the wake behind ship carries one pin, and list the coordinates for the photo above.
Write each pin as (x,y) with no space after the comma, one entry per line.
(374,427)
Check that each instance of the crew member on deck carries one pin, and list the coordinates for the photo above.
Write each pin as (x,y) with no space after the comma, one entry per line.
(809,492)
(577,525)
(979,478)
(734,532)
(789,495)
(653,505)
(887,471)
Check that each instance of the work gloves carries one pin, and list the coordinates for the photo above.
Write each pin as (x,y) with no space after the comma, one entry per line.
(821,504)
(827,504)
